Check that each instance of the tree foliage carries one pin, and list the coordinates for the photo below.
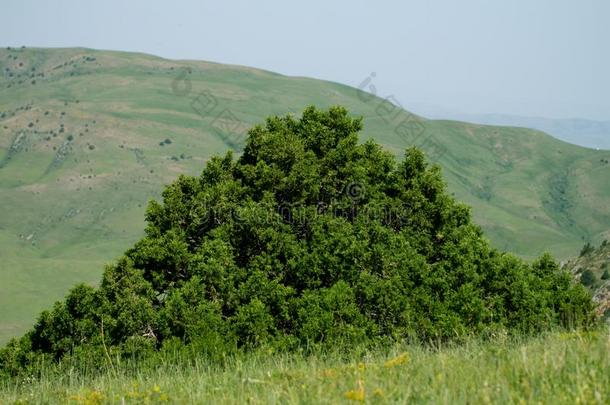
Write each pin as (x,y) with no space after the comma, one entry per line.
(308,238)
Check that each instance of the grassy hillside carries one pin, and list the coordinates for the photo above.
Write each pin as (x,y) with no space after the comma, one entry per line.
(584,132)
(567,368)
(88,137)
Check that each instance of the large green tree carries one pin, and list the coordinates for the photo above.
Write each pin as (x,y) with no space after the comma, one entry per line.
(308,238)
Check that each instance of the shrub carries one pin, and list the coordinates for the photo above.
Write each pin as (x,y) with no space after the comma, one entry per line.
(308,239)
(606,275)
(586,249)
(588,278)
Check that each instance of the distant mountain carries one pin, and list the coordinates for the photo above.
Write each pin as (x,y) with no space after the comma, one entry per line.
(582,132)
(88,137)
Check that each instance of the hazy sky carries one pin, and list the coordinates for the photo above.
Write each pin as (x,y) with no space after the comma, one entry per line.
(529,57)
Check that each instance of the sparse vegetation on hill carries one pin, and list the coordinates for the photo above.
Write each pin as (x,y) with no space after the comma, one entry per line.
(308,240)
(591,268)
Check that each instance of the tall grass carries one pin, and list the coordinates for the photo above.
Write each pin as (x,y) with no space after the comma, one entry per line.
(556,368)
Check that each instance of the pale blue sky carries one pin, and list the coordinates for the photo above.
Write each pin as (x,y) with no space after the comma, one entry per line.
(542,58)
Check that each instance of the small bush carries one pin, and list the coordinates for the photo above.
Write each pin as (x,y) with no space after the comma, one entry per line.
(586,249)
(606,275)
(588,278)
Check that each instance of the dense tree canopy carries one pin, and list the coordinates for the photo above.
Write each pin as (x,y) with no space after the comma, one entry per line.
(308,238)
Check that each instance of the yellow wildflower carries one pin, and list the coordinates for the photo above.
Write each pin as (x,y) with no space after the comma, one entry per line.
(356,395)
(93,398)
(397,361)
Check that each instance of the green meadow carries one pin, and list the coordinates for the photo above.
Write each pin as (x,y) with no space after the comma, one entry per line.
(557,368)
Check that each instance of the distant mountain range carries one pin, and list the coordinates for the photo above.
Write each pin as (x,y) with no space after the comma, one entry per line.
(582,132)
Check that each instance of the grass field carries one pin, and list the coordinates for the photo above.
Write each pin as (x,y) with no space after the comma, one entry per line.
(88,137)
(558,368)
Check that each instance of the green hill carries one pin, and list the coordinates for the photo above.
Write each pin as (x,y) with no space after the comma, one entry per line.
(88,137)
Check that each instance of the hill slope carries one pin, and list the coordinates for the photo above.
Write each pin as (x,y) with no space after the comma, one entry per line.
(595,261)
(88,137)
(583,132)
